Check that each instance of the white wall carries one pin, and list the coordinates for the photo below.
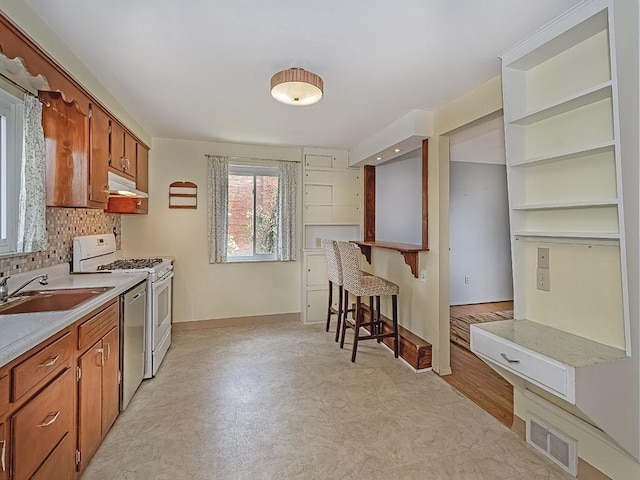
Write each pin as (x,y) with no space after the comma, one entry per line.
(399,199)
(480,251)
(479,234)
(204,291)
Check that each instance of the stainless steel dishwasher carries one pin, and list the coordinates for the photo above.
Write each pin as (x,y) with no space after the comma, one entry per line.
(133,306)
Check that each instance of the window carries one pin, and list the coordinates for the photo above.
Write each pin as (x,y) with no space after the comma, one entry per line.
(11,132)
(252,213)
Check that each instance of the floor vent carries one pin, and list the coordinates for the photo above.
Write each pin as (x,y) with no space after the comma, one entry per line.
(557,446)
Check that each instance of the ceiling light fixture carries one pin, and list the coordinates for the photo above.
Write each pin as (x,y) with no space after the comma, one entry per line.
(397,150)
(296,86)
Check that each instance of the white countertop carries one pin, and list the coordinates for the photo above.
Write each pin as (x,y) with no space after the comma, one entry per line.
(21,332)
(562,346)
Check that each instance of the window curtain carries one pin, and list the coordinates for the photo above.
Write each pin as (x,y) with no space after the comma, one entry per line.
(286,246)
(32,233)
(218,205)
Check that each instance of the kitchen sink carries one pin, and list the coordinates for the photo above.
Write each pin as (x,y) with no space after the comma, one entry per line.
(50,300)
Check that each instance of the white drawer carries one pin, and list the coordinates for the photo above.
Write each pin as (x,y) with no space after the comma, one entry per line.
(318,161)
(545,372)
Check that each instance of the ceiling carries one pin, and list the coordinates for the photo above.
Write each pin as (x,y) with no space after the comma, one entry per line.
(200,69)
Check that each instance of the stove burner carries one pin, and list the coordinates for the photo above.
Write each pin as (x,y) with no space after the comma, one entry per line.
(131,264)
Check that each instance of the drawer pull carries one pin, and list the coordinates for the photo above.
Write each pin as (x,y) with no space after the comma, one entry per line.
(52,418)
(51,362)
(510,360)
(3,451)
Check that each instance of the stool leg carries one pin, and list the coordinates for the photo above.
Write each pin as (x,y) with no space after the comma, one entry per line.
(372,316)
(356,329)
(329,307)
(340,312)
(395,325)
(344,323)
(379,327)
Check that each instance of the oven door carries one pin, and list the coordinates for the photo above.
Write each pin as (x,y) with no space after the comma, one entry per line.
(161,308)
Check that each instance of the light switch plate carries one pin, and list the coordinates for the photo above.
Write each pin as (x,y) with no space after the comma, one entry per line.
(543,258)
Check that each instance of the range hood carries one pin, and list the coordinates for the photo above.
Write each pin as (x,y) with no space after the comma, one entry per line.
(123,187)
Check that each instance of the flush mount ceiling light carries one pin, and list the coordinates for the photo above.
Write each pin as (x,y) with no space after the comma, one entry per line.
(296,86)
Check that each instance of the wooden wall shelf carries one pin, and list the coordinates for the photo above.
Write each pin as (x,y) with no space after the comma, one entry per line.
(409,252)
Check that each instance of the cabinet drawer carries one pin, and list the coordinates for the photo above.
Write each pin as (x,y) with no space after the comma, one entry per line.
(318,176)
(4,392)
(61,464)
(41,424)
(318,161)
(97,326)
(316,271)
(544,372)
(317,214)
(317,194)
(42,366)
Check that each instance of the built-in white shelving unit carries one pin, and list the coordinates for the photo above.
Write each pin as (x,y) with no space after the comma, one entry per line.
(332,208)
(565,177)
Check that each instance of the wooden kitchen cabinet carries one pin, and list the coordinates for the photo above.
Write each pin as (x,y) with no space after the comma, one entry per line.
(123,152)
(100,125)
(142,178)
(4,452)
(68,172)
(99,384)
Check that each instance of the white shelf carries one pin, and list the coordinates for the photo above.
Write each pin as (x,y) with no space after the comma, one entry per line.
(592,235)
(568,154)
(580,99)
(566,205)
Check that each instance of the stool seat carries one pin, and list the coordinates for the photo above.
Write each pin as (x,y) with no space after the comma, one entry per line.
(370,285)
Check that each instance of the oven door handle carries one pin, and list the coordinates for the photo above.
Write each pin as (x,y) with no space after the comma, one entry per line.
(160,284)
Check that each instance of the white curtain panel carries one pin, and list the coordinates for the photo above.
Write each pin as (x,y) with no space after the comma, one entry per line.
(217,208)
(287,199)
(32,233)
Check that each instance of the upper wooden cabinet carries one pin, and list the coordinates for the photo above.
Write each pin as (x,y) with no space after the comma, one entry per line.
(66,132)
(100,124)
(142,178)
(123,157)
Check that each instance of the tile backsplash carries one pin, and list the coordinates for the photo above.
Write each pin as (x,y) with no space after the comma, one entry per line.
(62,225)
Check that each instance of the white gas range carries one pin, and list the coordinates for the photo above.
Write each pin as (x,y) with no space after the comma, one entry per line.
(97,253)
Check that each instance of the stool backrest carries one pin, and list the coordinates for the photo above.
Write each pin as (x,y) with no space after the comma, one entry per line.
(334,268)
(351,274)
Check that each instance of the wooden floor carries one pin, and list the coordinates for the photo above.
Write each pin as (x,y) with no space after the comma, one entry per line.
(474,379)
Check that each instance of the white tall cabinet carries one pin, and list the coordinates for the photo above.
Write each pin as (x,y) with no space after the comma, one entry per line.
(571,127)
(332,209)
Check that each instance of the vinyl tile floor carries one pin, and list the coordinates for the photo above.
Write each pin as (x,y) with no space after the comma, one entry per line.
(282,401)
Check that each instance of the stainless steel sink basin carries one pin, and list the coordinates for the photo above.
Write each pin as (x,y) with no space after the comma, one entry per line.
(50,300)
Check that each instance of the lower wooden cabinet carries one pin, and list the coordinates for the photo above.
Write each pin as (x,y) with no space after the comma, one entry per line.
(4,452)
(98,394)
(59,400)
(41,424)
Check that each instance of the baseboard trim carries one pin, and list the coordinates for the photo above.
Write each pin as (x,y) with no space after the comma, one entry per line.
(519,427)
(236,321)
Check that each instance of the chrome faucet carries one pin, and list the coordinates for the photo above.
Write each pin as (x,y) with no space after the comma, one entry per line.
(4,289)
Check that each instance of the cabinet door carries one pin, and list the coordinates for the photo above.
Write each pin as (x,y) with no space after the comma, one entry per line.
(90,403)
(317,304)
(110,376)
(142,178)
(4,452)
(130,156)
(4,391)
(99,158)
(116,141)
(66,132)
(40,425)
(61,463)
(316,271)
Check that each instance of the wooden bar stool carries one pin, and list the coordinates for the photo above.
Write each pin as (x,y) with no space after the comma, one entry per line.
(334,274)
(360,285)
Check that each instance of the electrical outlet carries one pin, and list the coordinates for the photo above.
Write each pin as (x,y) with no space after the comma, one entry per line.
(466,280)
(543,279)
(423,275)
(543,258)
(318,242)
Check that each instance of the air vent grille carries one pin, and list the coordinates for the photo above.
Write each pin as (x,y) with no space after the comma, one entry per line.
(552,443)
